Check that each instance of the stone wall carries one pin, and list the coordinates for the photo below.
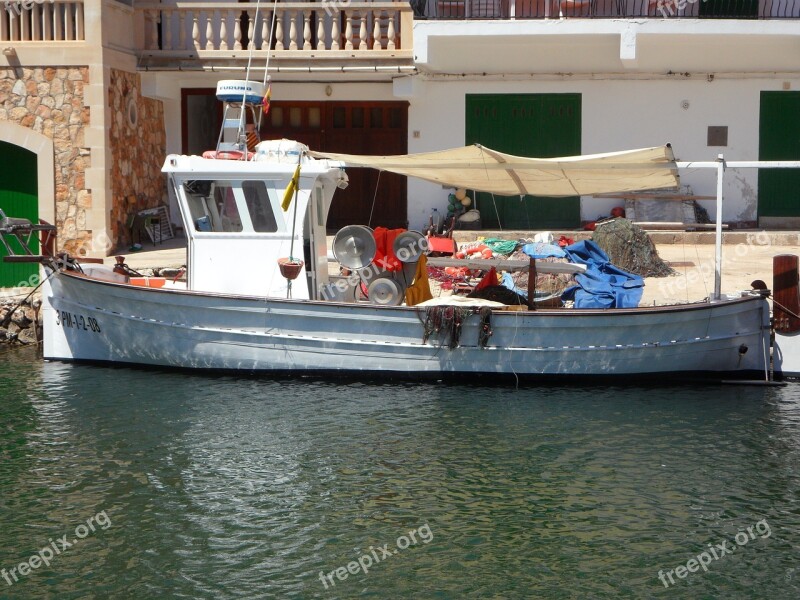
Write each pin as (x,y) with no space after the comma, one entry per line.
(51,101)
(22,326)
(137,140)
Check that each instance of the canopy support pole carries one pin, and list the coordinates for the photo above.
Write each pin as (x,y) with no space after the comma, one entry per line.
(718,237)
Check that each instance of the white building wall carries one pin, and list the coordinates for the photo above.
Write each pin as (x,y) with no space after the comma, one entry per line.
(617,114)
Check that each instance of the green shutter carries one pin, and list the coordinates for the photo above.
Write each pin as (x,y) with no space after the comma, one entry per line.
(533,125)
(18,198)
(779,139)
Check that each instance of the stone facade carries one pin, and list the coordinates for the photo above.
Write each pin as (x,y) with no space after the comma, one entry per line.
(51,101)
(137,140)
(23,326)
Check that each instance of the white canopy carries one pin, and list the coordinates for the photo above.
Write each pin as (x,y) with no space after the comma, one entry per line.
(485,170)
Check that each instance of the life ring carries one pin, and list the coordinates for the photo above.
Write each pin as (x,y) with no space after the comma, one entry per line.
(227,155)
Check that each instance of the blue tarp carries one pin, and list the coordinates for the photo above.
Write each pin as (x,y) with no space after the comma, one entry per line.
(602,285)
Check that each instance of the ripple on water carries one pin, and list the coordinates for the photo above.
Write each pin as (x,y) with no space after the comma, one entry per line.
(219,487)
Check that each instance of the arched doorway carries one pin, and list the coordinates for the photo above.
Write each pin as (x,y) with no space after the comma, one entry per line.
(18,198)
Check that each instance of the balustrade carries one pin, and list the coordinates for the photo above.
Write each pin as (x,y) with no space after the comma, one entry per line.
(298,26)
(42,21)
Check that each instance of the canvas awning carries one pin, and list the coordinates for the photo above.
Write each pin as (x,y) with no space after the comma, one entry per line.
(486,170)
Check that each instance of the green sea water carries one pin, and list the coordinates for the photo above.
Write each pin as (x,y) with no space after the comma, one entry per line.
(173,485)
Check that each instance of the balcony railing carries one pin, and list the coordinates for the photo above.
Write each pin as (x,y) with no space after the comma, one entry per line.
(195,28)
(41,21)
(598,9)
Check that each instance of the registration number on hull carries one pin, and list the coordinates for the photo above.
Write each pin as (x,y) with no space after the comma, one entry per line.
(74,321)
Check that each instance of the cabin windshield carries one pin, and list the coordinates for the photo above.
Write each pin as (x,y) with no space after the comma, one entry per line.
(231,206)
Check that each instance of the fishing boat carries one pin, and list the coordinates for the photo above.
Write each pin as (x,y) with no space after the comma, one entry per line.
(259,297)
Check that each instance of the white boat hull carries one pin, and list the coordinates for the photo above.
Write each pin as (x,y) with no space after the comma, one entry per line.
(90,320)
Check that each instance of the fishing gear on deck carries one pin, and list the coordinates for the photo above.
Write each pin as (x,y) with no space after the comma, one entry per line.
(447,321)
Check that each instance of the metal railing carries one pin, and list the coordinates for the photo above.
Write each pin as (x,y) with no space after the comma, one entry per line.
(599,9)
(41,21)
(230,26)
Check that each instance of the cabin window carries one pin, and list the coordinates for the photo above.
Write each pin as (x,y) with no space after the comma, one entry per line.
(205,216)
(230,206)
(212,205)
(259,206)
(226,206)
(320,206)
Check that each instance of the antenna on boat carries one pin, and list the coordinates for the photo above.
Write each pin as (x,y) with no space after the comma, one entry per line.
(267,81)
(235,141)
(241,134)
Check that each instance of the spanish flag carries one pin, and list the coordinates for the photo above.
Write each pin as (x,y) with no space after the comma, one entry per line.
(287,195)
(267,96)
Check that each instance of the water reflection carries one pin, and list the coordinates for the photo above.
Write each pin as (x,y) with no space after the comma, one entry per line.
(224,487)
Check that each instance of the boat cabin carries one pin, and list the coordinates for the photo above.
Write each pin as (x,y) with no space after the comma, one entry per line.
(237,229)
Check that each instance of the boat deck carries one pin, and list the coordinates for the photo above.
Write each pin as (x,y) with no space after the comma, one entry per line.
(747,255)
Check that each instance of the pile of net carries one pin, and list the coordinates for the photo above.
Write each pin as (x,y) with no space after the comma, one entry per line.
(545,284)
(630,248)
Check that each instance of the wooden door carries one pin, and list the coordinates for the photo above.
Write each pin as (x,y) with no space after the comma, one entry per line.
(372,198)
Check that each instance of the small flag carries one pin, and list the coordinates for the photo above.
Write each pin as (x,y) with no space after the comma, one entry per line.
(287,195)
(267,96)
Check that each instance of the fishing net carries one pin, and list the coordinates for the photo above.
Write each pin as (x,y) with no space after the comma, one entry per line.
(630,248)
(545,283)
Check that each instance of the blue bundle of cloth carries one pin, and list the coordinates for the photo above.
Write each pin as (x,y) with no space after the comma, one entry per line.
(602,285)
